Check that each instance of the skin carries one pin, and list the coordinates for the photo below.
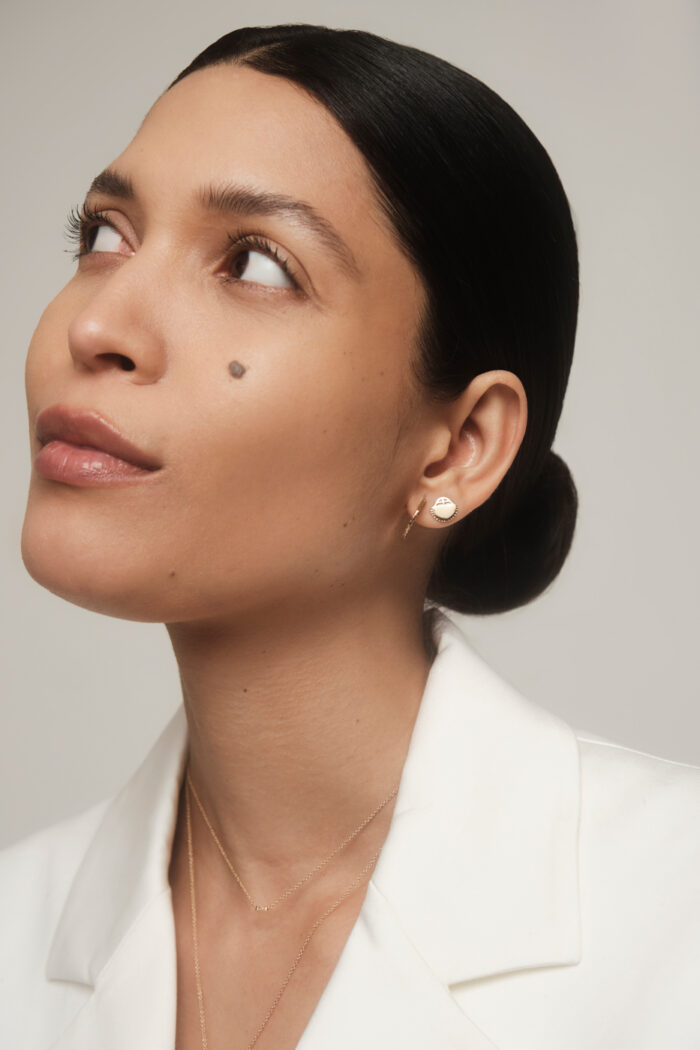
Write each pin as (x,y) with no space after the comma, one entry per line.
(270,541)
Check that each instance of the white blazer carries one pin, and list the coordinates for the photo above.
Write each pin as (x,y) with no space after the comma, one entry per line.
(539,889)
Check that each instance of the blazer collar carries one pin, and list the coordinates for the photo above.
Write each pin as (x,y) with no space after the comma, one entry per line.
(481,863)
(479,869)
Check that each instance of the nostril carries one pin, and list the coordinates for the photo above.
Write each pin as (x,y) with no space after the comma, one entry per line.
(121,360)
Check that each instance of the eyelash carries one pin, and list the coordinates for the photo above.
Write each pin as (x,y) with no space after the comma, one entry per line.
(81,221)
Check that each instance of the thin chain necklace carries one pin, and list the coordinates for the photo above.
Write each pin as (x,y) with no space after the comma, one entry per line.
(305,878)
(195,937)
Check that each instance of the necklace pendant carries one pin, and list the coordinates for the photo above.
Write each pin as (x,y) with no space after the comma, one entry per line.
(262,907)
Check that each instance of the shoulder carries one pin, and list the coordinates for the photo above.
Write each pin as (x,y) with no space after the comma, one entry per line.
(640,805)
(633,979)
(623,786)
(639,861)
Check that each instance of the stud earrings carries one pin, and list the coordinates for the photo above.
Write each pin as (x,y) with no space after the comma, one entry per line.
(443,509)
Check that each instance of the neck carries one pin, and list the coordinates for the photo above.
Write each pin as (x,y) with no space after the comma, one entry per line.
(299,728)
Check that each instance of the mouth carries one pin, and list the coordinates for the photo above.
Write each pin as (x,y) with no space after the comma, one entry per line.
(81,447)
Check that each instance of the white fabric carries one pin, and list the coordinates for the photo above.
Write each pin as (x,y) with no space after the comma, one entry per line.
(539,889)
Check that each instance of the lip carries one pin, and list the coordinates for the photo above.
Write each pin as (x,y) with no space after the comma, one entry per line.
(81,447)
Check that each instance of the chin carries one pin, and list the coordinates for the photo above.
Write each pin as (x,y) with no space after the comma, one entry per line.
(102,573)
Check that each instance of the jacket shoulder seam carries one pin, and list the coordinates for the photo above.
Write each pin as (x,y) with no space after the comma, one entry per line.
(597,741)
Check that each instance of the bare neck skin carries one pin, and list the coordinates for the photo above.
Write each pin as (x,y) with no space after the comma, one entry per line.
(298,730)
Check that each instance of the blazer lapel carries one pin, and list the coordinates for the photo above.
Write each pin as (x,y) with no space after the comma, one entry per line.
(478,876)
(133,1003)
(116,934)
(481,862)
(383,994)
(479,873)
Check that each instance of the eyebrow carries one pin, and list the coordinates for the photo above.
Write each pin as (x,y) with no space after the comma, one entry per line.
(232,199)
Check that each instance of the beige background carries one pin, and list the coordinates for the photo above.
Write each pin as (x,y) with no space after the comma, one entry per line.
(611,89)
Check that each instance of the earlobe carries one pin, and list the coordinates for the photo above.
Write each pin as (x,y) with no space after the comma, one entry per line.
(443,510)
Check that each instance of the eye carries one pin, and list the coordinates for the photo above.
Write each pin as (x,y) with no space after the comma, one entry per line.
(260,269)
(104,238)
(91,231)
(255,260)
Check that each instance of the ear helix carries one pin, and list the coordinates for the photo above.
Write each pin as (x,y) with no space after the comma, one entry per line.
(443,510)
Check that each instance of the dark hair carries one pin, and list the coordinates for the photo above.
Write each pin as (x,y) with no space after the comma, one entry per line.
(479,209)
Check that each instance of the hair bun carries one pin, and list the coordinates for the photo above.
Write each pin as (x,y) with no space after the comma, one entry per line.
(520,558)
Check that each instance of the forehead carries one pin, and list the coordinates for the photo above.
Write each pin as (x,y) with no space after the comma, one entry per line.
(229,122)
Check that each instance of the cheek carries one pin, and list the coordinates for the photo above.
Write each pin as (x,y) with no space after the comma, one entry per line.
(287,449)
(309,421)
(280,476)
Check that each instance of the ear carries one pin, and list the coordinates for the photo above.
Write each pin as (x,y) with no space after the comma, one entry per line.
(472,443)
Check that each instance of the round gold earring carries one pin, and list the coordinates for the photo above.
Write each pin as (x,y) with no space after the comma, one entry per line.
(443,509)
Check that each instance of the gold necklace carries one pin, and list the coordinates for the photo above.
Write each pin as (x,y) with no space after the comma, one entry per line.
(305,878)
(290,973)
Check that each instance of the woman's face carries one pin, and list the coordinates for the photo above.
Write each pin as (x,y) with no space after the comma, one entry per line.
(252,235)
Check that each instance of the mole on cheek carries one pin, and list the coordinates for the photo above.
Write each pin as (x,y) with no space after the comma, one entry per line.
(236,369)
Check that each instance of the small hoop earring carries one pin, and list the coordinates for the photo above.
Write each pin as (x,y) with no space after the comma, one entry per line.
(413,518)
(443,509)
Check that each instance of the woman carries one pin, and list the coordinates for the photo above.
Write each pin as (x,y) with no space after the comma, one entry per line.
(308,375)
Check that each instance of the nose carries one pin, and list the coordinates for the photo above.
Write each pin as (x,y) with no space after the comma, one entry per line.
(117,329)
